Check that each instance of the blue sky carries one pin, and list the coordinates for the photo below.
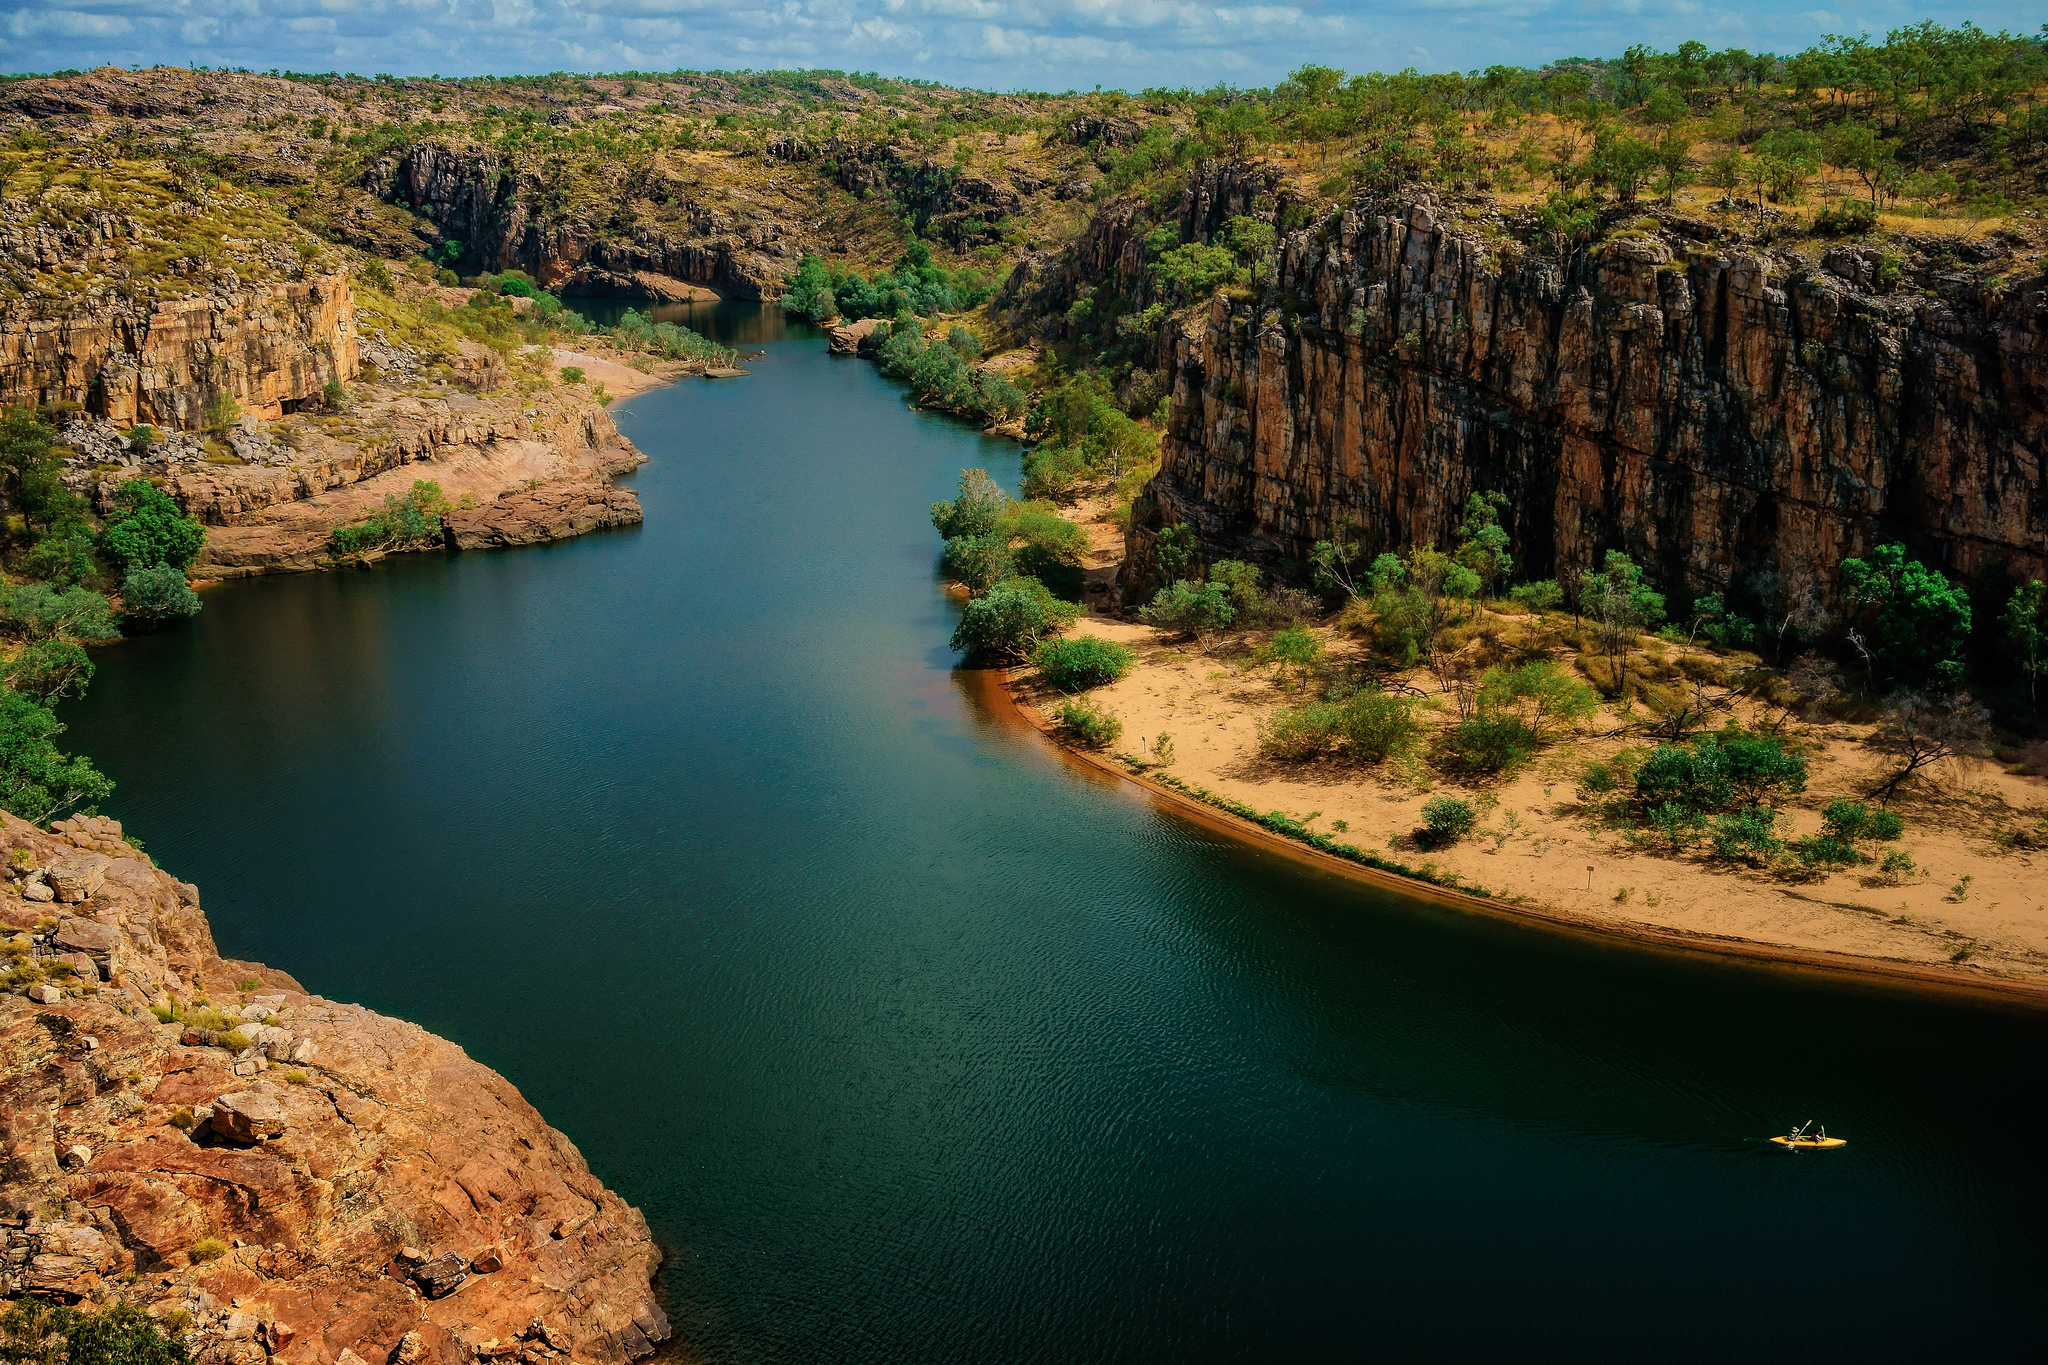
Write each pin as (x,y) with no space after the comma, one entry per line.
(993,44)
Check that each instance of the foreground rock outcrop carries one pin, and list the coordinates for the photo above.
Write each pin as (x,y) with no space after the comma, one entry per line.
(294,1178)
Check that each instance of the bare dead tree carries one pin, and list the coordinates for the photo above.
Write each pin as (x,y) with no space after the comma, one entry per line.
(1919,731)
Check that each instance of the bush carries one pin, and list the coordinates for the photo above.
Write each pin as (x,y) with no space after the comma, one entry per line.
(1716,772)
(409,522)
(1378,724)
(1296,650)
(1541,691)
(1748,835)
(208,1249)
(1296,734)
(1187,608)
(978,563)
(119,1334)
(1487,743)
(1010,619)
(158,594)
(1088,722)
(572,374)
(1085,661)
(146,529)
(1678,825)
(1054,471)
(295,1078)
(234,1040)
(1845,218)
(1446,819)
(976,511)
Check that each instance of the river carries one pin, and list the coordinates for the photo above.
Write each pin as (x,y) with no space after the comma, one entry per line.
(918,1043)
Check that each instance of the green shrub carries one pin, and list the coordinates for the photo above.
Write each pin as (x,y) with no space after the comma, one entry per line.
(1010,619)
(1678,825)
(1378,724)
(118,1334)
(1297,651)
(1487,743)
(294,1077)
(412,521)
(1088,722)
(1716,772)
(572,374)
(208,1249)
(1747,835)
(1082,662)
(1295,734)
(976,512)
(234,1040)
(1446,819)
(1540,691)
(1540,596)
(1054,471)
(978,563)
(157,594)
(1187,608)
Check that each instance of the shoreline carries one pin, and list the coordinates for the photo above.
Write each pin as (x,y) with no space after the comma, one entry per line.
(1839,968)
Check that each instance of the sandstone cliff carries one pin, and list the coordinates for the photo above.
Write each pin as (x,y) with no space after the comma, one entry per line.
(1710,407)
(268,348)
(372,1193)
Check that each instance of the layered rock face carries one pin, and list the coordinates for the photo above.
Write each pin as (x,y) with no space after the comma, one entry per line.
(267,347)
(491,207)
(1709,411)
(364,1189)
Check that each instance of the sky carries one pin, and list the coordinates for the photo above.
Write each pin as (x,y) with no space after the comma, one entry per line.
(990,44)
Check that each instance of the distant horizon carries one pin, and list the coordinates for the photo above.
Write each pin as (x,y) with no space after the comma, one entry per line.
(994,46)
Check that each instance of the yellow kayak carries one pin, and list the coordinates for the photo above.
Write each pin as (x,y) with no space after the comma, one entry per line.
(1810,1143)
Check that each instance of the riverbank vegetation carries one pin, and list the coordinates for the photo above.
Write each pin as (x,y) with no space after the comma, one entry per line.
(71,580)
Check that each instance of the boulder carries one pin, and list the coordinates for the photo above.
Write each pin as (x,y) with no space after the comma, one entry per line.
(77,1156)
(441,1276)
(411,1347)
(852,338)
(39,891)
(45,995)
(248,1116)
(487,1262)
(75,879)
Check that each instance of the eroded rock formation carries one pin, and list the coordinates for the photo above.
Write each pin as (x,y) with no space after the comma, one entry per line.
(1711,410)
(266,347)
(344,1185)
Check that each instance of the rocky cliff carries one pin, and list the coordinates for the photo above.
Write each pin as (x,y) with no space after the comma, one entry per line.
(1710,407)
(499,211)
(268,348)
(290,1178)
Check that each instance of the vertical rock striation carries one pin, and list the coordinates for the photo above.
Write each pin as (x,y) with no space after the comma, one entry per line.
(1710,411)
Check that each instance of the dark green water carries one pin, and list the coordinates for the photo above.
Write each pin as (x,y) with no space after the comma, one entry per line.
(917,1044)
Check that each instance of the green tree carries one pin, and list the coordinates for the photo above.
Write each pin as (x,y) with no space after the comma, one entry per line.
(157,594)
(1909,621)
(1483,542)
(1622,604)
(1540,691)
(48,669)
(1416,600)
(146,529)
(1189,608)
(2026,625)
(32,476)
(975,511)
(1858,147)
(39,609)
(1296,651)
(1010,619)
(36,779)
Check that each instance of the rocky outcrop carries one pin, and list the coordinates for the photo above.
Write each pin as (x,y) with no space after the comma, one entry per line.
(268,348)
(386,1198)
(493,209)
(550,512)
(1711,410)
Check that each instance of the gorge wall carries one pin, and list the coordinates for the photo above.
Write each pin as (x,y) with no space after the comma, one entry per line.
(1711,409)
(268,347)
(302,1181)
